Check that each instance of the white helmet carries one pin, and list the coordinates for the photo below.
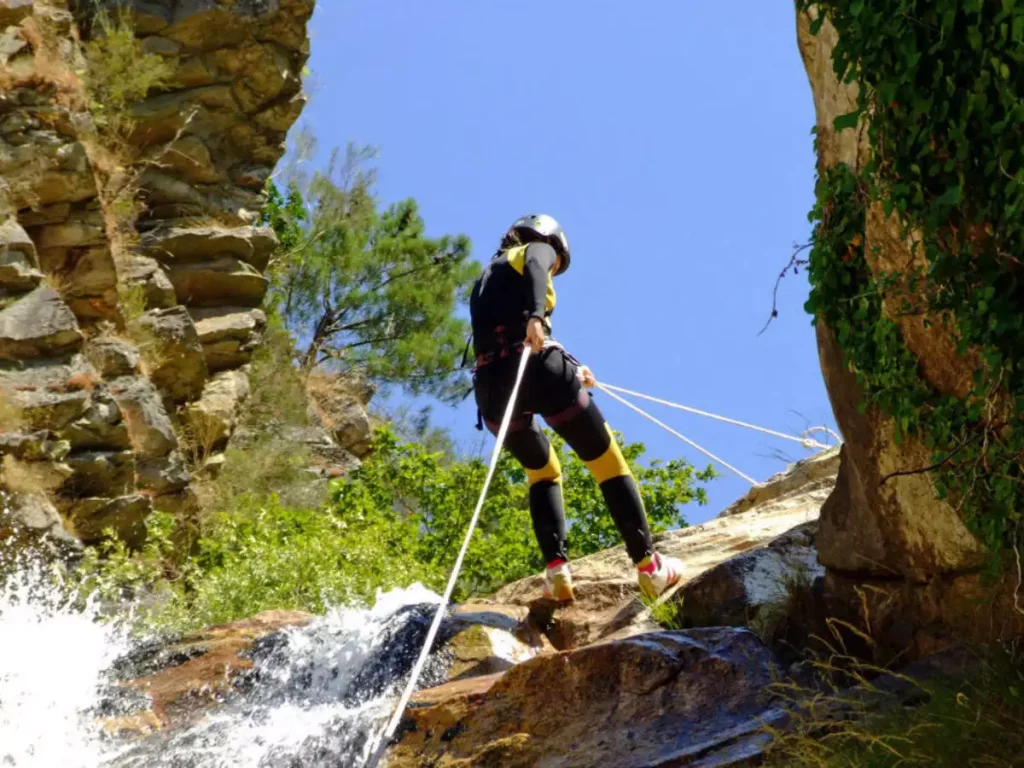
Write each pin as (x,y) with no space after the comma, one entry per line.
(542,227)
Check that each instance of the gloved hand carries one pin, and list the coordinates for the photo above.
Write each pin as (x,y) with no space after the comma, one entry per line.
(535,334)
(586,376)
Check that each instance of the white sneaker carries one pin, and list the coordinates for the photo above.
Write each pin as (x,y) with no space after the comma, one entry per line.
(660,575)
(558,583)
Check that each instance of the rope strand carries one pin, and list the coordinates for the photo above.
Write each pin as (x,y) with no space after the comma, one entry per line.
(806,442)
(607,390)
(396,717)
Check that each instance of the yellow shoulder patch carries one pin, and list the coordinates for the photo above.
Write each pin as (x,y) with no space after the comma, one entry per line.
(517,258)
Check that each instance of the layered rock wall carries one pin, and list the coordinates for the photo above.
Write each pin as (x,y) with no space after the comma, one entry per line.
(126,330)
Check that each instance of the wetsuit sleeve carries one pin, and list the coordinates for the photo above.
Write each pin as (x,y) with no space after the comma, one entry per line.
(540,260)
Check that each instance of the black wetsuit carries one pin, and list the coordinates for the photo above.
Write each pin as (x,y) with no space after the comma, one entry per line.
(514,287)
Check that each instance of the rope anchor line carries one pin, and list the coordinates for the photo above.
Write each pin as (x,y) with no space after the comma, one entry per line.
(417,669)
(805,441)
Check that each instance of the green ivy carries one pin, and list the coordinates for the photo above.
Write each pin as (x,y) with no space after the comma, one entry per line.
(941,82)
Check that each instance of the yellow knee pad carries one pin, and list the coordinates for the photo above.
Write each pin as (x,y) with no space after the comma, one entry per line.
(609,464)
(551,472)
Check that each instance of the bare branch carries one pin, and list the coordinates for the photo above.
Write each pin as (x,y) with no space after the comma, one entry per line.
(923,470)
(794,264)
(1020,578)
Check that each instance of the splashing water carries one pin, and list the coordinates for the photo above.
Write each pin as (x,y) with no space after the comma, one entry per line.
(53,659)
(318,695)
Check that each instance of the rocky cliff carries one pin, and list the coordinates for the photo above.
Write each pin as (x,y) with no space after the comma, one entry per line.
(132,266)
(902,379)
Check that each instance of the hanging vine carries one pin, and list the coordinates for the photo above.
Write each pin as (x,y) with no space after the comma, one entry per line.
(940,85)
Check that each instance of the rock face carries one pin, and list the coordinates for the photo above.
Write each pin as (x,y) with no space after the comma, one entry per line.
(78,364)
(660,699)
(899,526)
(811,475)
(739,591)
(890,545)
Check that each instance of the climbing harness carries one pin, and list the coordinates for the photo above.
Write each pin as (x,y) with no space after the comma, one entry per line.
(396,717)
(805,441)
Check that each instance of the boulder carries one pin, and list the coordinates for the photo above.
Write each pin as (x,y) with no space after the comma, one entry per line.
(42,476)
(82,228)
(194,672)
(100,473)
(229,335)
(191,245)
(183,505)
(38,324)
(211,419)
(44,397)
(33,446)
(180,368)
(281,115)
(156,287)
(753,585)
(84,271)
(221,281)
(149,426)
(485,637)
(149,16)
(340,409)
(162,475)
(112,357)
(101,426)
(32,520)
(667,698)
(188,156)
(19,268)
(88,518)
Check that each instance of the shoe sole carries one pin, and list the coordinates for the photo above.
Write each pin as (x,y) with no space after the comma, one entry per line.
(561,591)
(647,587)
(650,591)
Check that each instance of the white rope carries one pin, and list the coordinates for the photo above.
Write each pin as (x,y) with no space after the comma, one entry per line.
(827,431)
(392,726)
(608,391)
(806,442)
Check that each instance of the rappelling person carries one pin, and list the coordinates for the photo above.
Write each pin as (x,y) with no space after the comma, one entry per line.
(511,306)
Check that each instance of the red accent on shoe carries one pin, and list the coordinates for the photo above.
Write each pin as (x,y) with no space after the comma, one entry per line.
(652,566)
(556,562)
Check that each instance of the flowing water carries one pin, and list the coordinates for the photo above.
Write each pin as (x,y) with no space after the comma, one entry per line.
(317,696)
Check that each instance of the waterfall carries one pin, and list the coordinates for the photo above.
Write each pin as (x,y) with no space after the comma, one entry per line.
(317,695)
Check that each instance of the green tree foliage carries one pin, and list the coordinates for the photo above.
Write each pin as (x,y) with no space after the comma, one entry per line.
(367,289)
(400,518)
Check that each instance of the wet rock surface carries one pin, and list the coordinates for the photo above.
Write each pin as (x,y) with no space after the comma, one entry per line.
(657,699)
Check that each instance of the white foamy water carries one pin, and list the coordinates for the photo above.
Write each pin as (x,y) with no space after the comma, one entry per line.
(319,695)
(53,660)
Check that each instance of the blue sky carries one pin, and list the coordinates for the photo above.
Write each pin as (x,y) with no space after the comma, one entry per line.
(672,141)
